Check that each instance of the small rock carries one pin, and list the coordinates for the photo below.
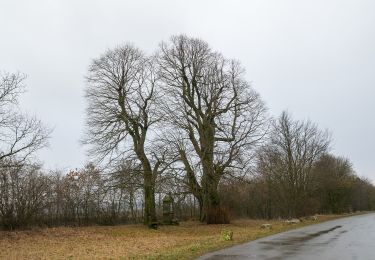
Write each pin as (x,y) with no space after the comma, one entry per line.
(269,226)
(293,221)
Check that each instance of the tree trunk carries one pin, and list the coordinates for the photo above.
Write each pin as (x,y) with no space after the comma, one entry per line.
(131,204)
(149,194)
(149,185)
(213,212)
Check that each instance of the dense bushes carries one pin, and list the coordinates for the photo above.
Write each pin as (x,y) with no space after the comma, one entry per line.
(334,188)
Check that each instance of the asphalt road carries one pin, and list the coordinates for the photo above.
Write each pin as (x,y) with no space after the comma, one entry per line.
(345,238)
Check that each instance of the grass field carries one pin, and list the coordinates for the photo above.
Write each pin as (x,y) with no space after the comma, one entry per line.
(186,241)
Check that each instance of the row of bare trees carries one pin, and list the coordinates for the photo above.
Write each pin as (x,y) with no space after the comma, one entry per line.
(296,176)
(31,197)
(182,120)
(334,189)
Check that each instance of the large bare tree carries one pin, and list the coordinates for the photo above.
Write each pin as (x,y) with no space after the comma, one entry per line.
(121,94)
(20,134)
(217,117)
(288,158)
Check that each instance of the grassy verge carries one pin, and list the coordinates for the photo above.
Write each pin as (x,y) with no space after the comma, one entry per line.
(186,241)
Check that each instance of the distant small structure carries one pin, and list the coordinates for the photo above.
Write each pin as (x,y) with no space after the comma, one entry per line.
(168,212)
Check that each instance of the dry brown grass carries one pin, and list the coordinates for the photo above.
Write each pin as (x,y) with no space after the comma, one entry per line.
(186,241)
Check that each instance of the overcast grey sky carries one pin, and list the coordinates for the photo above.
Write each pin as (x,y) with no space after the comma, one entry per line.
(314,58)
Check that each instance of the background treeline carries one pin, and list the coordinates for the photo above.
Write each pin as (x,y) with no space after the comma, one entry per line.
(31,197)
(183,120)
(334,189)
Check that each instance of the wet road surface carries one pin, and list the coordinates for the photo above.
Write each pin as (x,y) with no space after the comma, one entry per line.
(346,238)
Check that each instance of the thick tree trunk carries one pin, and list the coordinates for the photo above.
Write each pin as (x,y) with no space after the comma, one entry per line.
(214,213)
(149,193)
(149,186)
(149,217)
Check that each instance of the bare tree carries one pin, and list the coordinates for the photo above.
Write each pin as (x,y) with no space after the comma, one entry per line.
(334,178)
(127,178)
(220,117)
(20,134)
(22,187)
(288,159)
(121,93)
(22,195)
